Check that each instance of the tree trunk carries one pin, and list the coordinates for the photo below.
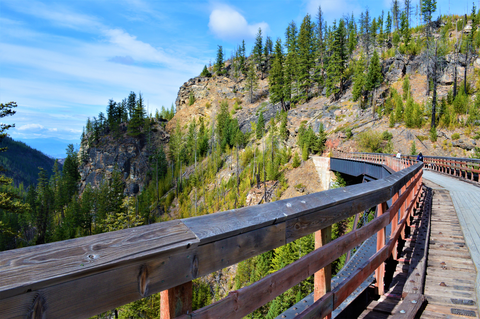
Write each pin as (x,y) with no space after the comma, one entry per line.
(465,73)
(434,98)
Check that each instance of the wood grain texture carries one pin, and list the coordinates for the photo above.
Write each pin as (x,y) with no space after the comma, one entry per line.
(90,275)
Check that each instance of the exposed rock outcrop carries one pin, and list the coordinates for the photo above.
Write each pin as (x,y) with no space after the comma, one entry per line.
(127,154)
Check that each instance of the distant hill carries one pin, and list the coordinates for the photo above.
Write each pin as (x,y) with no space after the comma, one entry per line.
(21,162)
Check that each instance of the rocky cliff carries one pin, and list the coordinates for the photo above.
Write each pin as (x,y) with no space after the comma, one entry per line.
(129,155)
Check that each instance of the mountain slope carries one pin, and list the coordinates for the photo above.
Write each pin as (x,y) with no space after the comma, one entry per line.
(21,162)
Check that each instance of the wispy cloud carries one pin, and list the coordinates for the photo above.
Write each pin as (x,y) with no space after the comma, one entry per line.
(228,24)
(128,60)
(334,9)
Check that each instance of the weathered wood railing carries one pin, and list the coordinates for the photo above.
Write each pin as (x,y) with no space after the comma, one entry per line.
(86,276)
(466,168)
(459,167)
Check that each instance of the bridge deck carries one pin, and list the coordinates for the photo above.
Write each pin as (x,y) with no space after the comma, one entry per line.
(466,200)
(450,280)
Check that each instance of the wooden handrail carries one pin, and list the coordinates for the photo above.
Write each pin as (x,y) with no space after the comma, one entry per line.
(90,275)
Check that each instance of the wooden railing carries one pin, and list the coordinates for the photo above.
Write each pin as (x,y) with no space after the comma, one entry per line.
(466,168)
(86,276)
(462,168)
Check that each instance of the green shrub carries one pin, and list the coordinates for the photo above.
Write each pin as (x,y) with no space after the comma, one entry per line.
(348,133)
(296,160)
(433,134)
(370,141)
(387,136)
(455,136)
(191,99)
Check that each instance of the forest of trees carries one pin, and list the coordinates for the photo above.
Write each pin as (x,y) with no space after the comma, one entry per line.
(315,58)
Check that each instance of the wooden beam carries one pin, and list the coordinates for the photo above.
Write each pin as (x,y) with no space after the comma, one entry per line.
(323,277)
(176,301)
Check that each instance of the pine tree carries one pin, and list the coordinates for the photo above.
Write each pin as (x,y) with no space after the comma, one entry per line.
(131,103)
(137,121)
(320,49)
(205,72)
(374,77)
(276,78)
(258,50)
(306,55)
(388,26)
(359,78)
(260,126)
(9,201)
(296,160)
(291,61)
(405,30)
(406,87)
(395,13)
(408,115)
(336,63)
(219,64)
(251,82)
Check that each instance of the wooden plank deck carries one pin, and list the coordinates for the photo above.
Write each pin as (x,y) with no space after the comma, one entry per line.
(451,273)
(454,218)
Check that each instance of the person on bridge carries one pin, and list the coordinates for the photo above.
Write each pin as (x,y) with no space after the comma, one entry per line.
(420,157)
(399,155)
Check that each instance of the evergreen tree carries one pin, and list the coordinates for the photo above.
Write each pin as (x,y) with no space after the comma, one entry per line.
(251,82)
(405,30)
(290,68)
(406,87)
(137,121)
(336,65)
(205,72)
(9,201)
(296,160)
(258,50)
(276,79)
(359,78)
(388,26)
(306,55)
(374,77)
(283,126)
(267,51)
(219,64)
(260,126)
(408,115)
(395,13)
(113,117)
(320,52)
(131,103)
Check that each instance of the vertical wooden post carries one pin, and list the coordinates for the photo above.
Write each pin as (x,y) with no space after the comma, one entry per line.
(394,226)
(379,273)
(176,301)
(323,277)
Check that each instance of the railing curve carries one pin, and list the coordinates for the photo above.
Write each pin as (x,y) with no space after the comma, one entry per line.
(86,276)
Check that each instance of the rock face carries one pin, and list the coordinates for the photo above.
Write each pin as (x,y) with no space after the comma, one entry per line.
(205,88)
(127,154)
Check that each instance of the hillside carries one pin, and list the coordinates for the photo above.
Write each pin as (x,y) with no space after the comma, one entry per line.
(245,132)
(21,162)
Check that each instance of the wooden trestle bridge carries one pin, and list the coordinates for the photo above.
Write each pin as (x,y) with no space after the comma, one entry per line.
(82,277)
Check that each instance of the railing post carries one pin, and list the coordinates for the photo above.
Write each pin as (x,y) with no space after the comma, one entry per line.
(176,301)
(394,226)
(379,273)
(323,277)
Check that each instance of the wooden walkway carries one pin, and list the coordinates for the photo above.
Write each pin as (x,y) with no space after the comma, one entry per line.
(466,201)
(450,279)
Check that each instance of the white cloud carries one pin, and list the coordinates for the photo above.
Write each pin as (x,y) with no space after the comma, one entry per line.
(228,24)
(31,127)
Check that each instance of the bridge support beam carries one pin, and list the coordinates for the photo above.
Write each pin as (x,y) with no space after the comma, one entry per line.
(380,272)
(323,277)
(176,301)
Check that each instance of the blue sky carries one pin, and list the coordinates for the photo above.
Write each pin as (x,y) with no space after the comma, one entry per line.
(61,61)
